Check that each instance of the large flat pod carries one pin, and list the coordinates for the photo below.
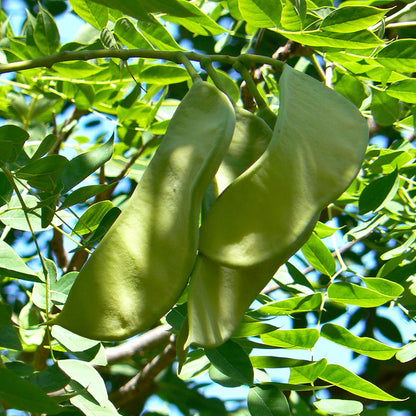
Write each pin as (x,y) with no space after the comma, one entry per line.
(317,148)
(142,265)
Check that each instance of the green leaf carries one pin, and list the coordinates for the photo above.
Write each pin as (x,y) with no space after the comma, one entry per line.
(105,223)
(9,337)
(307,373)
(45,146)
(82,194)
(252,329)
(163,74)
(12,265)
(404,90)
(72,342)
(230,359)
(362,39)
(223,379)
(157,35)
(298,277)
(261,13)
(195,364)
(407,352)
(129,35)
(141,9)
(15,217)
(6,189)
(319,256)
(267,400)
(82,69)
(352,294)
(379,192)
(59,291)
(199,23)
(344,379)
(301,7)
(21,394)
(85,164)
(95,14)
(362,345)
(323,230)
(385,109)
(293,338)
(87,376)
(349,19)
(350,87)
(399,55)
(92,217)
(44,174)
(89,408)
(50,379)
(339,407)
(12,139)
(383,286)
(46,33)
(293,305)
(276,362)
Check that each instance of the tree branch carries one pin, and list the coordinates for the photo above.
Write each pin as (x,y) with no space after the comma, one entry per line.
(148,341)
(132,396)
(124,54)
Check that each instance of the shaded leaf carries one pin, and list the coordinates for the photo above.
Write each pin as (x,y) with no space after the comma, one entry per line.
(385,109)
(378,192)
(12,139)
(23,395)
(9,337)
(92,217)
(85,164)
(44,174)
(11,264)
(230,359)
(267,400)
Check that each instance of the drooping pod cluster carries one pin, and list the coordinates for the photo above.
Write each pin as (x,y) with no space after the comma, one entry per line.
(258,210)
(270,210)
(143,263)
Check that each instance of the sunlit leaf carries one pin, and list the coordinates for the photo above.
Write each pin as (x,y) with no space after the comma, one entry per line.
(361,345)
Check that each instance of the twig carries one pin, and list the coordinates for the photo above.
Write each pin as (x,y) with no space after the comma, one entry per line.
(148,341)
(131,397)
(271,288)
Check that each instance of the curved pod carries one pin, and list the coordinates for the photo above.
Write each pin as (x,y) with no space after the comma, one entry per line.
(316,151)
(250,139)
(269,212)
(142,265)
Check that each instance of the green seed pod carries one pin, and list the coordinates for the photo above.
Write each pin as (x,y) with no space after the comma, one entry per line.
(142,265)
(317,148)
(250,139)
(269,211)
